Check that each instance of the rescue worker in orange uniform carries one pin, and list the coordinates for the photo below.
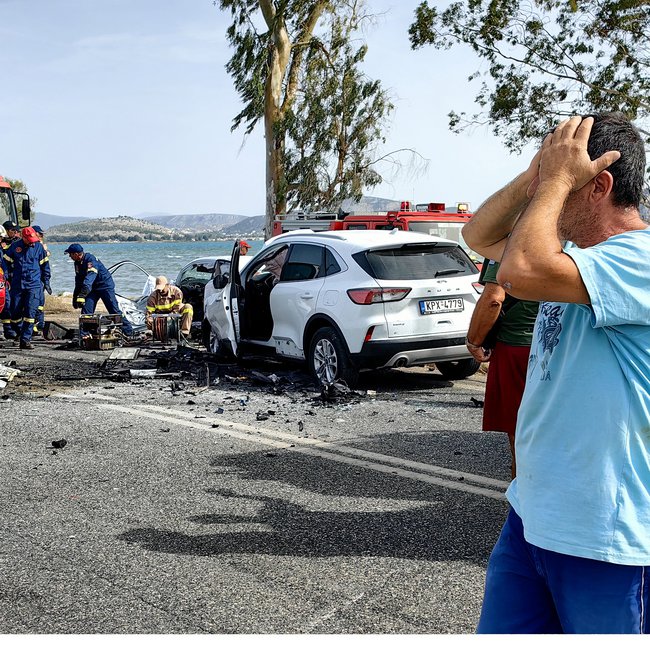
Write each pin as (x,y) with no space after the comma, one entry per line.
(168,299)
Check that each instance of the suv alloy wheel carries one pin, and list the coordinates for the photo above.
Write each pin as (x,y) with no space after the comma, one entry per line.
(329,360)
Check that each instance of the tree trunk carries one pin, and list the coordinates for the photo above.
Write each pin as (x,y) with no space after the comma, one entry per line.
(273,96)
(275,104)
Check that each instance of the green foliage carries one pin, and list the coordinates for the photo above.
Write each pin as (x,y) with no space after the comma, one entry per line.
(249,62)
(546,60)
(336,123)
(296,65)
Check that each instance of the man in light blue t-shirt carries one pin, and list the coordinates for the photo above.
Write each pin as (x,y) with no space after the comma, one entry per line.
(574,553)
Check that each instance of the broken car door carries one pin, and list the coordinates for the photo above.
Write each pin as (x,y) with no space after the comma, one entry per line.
(221,303)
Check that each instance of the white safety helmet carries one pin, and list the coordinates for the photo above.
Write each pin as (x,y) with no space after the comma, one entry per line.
(3,232)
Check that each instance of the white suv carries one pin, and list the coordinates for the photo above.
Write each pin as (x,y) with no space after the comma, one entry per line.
(346,301)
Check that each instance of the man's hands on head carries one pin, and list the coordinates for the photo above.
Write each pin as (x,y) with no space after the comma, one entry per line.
(564,159)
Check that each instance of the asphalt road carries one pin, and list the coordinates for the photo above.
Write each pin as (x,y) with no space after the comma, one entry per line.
(243,507)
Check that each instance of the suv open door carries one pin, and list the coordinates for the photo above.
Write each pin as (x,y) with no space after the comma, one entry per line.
(224,318)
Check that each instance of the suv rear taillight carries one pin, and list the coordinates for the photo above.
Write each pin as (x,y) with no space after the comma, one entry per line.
(371,296)
(478,287)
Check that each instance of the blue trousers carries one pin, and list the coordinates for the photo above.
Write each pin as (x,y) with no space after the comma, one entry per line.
(24,307)
(107,296)
(529,590)
(40,314)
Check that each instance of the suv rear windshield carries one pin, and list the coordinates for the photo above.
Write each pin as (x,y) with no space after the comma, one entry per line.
(415,262)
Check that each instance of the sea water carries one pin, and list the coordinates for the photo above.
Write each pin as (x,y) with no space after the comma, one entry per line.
(156,258)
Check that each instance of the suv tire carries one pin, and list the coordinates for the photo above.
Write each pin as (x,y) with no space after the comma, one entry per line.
(460,369)
(329,360)
(212,342)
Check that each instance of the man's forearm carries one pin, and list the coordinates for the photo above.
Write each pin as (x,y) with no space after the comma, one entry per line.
(486,312)
(529,257)
(496,217)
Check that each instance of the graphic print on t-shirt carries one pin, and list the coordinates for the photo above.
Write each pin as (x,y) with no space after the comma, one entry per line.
(549,328)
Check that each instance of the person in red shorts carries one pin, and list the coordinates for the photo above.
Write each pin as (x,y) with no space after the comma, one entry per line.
(501,332)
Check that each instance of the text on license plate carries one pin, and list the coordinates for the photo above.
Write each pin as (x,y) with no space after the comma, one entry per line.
(441,306)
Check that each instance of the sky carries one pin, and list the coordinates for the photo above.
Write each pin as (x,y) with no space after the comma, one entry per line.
(125,107)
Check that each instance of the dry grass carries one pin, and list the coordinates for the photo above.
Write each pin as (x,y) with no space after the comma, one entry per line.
(59,309)
(59,305)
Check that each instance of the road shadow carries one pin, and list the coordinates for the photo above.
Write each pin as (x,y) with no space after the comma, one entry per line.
(438,524)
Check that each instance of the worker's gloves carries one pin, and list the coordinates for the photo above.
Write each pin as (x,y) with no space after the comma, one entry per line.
(78,303)
(48,288)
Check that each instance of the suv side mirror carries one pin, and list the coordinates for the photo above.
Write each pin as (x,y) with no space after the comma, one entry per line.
(220,281)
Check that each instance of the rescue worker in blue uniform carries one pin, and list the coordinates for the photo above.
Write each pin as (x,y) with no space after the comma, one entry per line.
(40,316)
(12,233)
(29,270)
(92,283)
(4,283)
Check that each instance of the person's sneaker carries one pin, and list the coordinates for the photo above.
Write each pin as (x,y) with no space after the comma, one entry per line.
(26,345)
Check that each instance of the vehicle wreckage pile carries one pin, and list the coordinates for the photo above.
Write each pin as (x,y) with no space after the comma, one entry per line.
(186,369)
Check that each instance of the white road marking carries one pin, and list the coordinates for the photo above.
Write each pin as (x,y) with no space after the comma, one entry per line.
(432,474)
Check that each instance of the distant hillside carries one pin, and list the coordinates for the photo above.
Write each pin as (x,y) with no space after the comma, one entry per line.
(247,227)
(197,222)
(147,215)
(369,204)
(156,226)
(46,221)
(109,229)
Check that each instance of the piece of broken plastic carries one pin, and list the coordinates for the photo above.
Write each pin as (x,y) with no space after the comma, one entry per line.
(143,372)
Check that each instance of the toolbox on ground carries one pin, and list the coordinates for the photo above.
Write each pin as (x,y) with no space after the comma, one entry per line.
(100,331)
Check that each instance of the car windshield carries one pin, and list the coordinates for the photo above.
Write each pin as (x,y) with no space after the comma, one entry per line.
(415,262)
(198,273)
(7,210)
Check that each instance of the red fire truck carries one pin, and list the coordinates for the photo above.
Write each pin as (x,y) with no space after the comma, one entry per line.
(8,208)
(430,218)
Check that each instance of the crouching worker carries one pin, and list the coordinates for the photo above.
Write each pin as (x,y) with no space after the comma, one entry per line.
(168,299)
(93,282)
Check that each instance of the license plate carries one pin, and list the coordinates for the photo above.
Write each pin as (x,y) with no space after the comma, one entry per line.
(442,306)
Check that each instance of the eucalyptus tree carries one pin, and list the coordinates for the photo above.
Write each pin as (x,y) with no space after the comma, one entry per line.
(296,65)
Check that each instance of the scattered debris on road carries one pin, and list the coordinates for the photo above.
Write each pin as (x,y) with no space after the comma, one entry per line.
(7,373)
